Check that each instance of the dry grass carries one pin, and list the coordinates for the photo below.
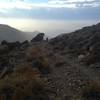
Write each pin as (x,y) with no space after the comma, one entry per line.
(33,53)
(36,55)
(23,84)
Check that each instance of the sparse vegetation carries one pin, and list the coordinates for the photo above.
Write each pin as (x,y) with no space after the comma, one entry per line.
(91,91)
(23,84)
(38,60)
(58,69)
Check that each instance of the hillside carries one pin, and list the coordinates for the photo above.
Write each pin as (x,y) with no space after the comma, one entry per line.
(11,34)
(85,41)
(66,67)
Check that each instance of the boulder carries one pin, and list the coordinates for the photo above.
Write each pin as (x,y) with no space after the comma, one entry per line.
(25,44)
(39,37)
(37,64)
(81,57)
(14,45)
(3,49)
(4,42)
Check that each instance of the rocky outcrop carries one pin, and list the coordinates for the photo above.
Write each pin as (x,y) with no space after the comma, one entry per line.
(38,37)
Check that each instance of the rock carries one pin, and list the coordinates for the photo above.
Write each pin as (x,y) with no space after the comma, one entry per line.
(3,49)
(3,73)
(47,39)
(4,42)
(24,45)
(25,42)
(14,45)
(60,64)
(81,57)
(38,38)
(42,68)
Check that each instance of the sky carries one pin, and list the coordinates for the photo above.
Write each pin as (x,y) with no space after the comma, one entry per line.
(51,16)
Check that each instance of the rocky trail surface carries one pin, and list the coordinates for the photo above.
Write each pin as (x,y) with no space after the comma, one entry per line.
(69,76)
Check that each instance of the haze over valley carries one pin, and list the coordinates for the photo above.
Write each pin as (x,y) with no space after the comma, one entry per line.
(51,28)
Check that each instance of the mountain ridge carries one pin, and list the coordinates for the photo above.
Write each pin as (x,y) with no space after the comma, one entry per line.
(11,34)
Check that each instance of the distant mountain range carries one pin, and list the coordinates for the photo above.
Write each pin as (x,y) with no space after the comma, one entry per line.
(11,34)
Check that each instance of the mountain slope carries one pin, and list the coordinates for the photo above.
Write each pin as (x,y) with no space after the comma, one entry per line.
(81,39)
(10,34)
(83,43)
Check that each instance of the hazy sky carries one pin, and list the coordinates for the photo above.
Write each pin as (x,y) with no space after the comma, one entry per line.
(51,16)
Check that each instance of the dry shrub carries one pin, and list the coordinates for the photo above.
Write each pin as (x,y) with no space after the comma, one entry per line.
(91,91)
(45,67)
(23,85)
(30,90)
(38,59)
(33,53)
(25,68)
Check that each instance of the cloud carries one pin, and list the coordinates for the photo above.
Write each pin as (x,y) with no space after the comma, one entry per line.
(24,4)
(76,3)
(60,9)
(12,5)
